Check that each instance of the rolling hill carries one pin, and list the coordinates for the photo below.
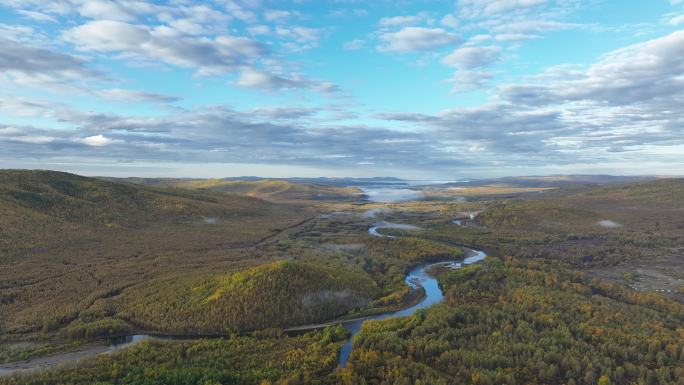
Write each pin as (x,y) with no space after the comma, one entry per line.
(67,241)
(278,294)
(275,190)
(43,209)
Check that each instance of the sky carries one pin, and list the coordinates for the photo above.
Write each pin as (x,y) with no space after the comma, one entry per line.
(278,88)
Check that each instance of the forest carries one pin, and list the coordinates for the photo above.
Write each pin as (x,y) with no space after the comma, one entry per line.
(525,322)
(306,359)
(278,294)
(562,298)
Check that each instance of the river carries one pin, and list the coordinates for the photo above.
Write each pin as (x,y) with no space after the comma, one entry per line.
(417,277)
(389,225)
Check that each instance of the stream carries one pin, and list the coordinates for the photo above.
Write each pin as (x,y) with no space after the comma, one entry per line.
(416,278)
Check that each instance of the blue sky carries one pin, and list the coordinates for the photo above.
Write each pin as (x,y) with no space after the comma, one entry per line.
(415,89)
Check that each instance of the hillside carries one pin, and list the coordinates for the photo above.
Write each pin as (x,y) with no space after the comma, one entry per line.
(638,207)
(525,322)
(556,181)
(278,294)
(67,241)
(276,190)
(629,233)
(45,209)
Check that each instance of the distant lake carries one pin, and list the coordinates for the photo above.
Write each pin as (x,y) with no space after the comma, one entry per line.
(407,190)
(385,194)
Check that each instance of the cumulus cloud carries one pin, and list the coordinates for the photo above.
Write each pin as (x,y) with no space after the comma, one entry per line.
(513,20)
(472,57)
(277,15)
(220,134)
(354,44)
(31,65)
(132,96)
(207,56)
(284,113)
(36,15)
(112,10)
(53,7)
(647,72)
(474,8)
(450,21)
(301,38)
(628,102)
(398,21)
(97,140)
(464,81)
(254,78)
(530,27)
(411,39)
(677,20)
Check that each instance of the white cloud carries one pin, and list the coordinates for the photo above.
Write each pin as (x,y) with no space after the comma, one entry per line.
(241,10)
(196,19)
(254,78)
(641,73)
(472,57)
(98,141)
(354,44)
(130,96)
(398,21)
(109,10)
(411,39)
(37,139)
(507,37)
(530,26)
(465,81)
(207,56)
(677,20)
(490,7)
(450,21)
(24,64)
(36,15)
(305,38)
(259,29)
(276,15)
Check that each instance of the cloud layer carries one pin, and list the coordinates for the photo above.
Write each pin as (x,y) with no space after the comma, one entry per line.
(259,82)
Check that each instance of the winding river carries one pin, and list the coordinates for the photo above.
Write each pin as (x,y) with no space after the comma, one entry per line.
(416,278)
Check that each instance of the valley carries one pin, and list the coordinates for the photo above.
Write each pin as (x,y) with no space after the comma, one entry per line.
(90,265)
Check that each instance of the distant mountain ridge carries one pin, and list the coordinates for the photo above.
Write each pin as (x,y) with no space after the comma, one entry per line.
(554,180)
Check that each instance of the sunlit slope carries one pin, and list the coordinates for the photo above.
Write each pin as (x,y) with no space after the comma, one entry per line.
(278,294)
(630,206)
(592,226)
(268,189)
(68,241)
